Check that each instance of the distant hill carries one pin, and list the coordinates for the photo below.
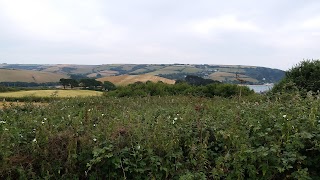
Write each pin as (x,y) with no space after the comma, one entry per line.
(223,73)
(130,79)
(10,75)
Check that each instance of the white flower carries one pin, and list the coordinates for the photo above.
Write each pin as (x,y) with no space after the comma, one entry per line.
(2,122)
(44,119)
(34,140)
(175,118)
(89,110)
(6,129)
(284,116)
(138,147)
(173,121)
(102,114)
(42,122)
(94,125)
(94,139)
(69,116)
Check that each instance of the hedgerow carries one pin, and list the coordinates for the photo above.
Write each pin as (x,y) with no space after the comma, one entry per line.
(161,89)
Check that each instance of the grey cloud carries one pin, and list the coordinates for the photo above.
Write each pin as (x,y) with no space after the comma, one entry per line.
(266,33)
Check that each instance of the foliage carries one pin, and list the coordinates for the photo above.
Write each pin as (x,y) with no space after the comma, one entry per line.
(108,86)
(6,89)
(303,77)
(162,89)
(198,81)
(265,75)
(28,84)
(90,83)
(171,137)
(68,82)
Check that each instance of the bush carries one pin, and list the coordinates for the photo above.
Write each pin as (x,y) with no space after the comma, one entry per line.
(161,89)
(302,77)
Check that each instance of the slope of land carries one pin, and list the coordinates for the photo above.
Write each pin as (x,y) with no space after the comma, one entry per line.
(227,77)
(224,73)
(11,75)
(130,79)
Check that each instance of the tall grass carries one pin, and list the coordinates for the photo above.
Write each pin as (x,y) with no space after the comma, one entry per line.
(172,137)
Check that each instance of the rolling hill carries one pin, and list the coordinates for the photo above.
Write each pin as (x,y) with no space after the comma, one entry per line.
(223,73)
(12,75)
(130,79)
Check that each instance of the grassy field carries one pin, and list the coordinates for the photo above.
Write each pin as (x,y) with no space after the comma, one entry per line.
(50,93)
(130,79)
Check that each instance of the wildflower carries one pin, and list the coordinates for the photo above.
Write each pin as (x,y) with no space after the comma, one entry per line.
(102,114)
(45,119)
(42,122)
(69,115)
(21,135)
(138,147)
(2,122)
(94,139)
(175,118)
(284,116)
(89,110)
(34,140)
(6,129)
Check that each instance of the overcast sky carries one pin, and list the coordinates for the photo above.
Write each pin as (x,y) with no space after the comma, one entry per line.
(270,33)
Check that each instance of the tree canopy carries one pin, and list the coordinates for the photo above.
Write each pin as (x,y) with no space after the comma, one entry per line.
(305,76)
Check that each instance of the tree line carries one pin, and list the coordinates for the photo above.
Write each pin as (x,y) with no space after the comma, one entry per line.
(87,83)
(161,89)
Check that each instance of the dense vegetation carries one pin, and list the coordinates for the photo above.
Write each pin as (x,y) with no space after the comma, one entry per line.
(159,131)
(303,77)
(28,84)
(162,89)
(180,137)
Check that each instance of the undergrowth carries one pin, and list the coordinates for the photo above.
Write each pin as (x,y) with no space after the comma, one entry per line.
(172,137)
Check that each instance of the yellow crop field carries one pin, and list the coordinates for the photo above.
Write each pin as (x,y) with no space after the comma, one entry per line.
(51,93)
(130,79)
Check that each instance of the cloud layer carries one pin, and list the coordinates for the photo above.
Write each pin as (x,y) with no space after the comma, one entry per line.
(274,33)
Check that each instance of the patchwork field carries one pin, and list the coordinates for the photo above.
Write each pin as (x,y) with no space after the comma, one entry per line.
(225,76)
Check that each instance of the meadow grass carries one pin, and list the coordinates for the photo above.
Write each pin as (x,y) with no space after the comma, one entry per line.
(168,137)
(51,93)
